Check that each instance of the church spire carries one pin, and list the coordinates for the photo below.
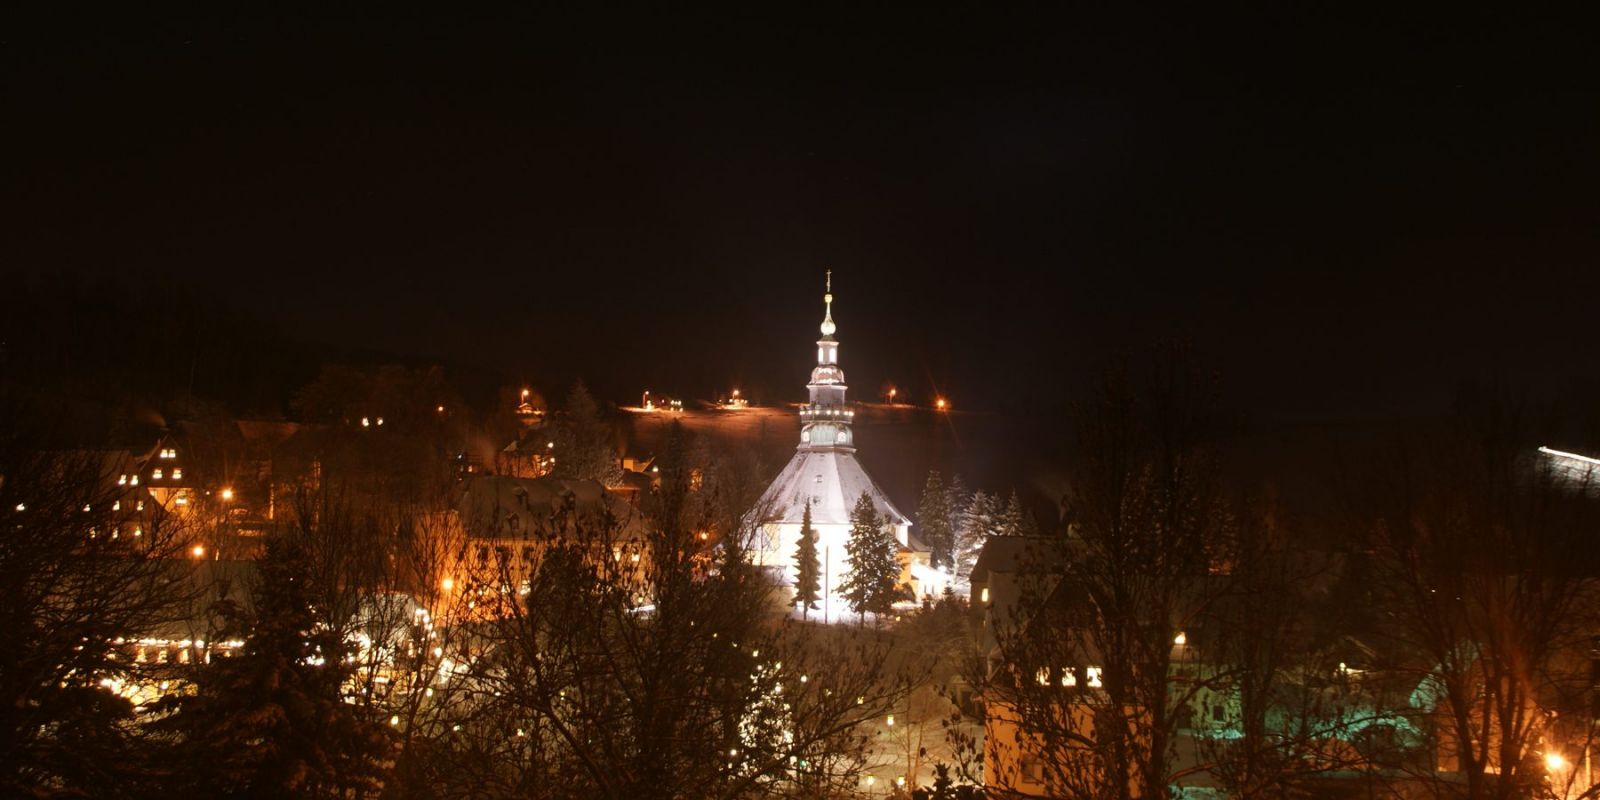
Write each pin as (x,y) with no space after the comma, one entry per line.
(825,421)
(827,315)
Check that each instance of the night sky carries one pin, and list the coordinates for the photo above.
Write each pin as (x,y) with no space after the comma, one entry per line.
(1345,219)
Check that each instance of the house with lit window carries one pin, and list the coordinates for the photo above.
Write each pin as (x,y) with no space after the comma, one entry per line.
(505,524)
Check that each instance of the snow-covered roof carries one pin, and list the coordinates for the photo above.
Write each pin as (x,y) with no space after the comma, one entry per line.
(833,480)
(498,506)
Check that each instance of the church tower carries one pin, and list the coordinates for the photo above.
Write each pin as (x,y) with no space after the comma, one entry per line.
(825,421)
(824,472)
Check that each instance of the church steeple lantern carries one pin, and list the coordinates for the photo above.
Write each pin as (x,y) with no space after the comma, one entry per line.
(825,420)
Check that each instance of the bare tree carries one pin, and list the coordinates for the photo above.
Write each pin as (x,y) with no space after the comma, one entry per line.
(85,570)
(673,675)
(1083,688)
(1484,564)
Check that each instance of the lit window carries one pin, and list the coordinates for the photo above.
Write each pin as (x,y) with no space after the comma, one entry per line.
(983,596)
(122,481)
(156,475)
(139,506)
(1069,676)
(1043,676)
(116,505)
(1094,678)
(177,473)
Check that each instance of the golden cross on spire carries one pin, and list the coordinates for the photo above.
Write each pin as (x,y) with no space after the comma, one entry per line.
(830,280)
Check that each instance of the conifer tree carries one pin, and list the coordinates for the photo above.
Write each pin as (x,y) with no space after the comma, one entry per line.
(586,446)
(874,568)
(1015,520)
(935,522)
(980,519)
(270,721)
(808,583)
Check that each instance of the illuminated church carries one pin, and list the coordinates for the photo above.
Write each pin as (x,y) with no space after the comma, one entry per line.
(824,472)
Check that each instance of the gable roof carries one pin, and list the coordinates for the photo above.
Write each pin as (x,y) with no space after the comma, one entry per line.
(1014,554)
(497,506)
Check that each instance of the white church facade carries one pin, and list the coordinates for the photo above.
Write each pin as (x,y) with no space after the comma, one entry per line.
(825,473)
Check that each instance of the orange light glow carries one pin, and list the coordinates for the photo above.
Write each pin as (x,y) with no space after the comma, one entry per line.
(227,494)
(941,404)
(198,551)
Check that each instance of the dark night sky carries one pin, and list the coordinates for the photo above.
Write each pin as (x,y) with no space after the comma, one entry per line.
(1345,218)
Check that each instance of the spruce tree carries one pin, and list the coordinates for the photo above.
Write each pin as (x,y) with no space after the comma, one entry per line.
(872,584)
(979,520)
(808,583)
(586,445)
(935,524)
(270,721)
(1016,521)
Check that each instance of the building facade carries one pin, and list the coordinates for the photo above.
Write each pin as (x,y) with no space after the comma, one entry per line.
(825,475)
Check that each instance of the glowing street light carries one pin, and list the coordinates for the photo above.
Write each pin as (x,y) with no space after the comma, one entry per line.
(1554,762)
(227,494)
(941,404)
(892,392)
(198,551)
